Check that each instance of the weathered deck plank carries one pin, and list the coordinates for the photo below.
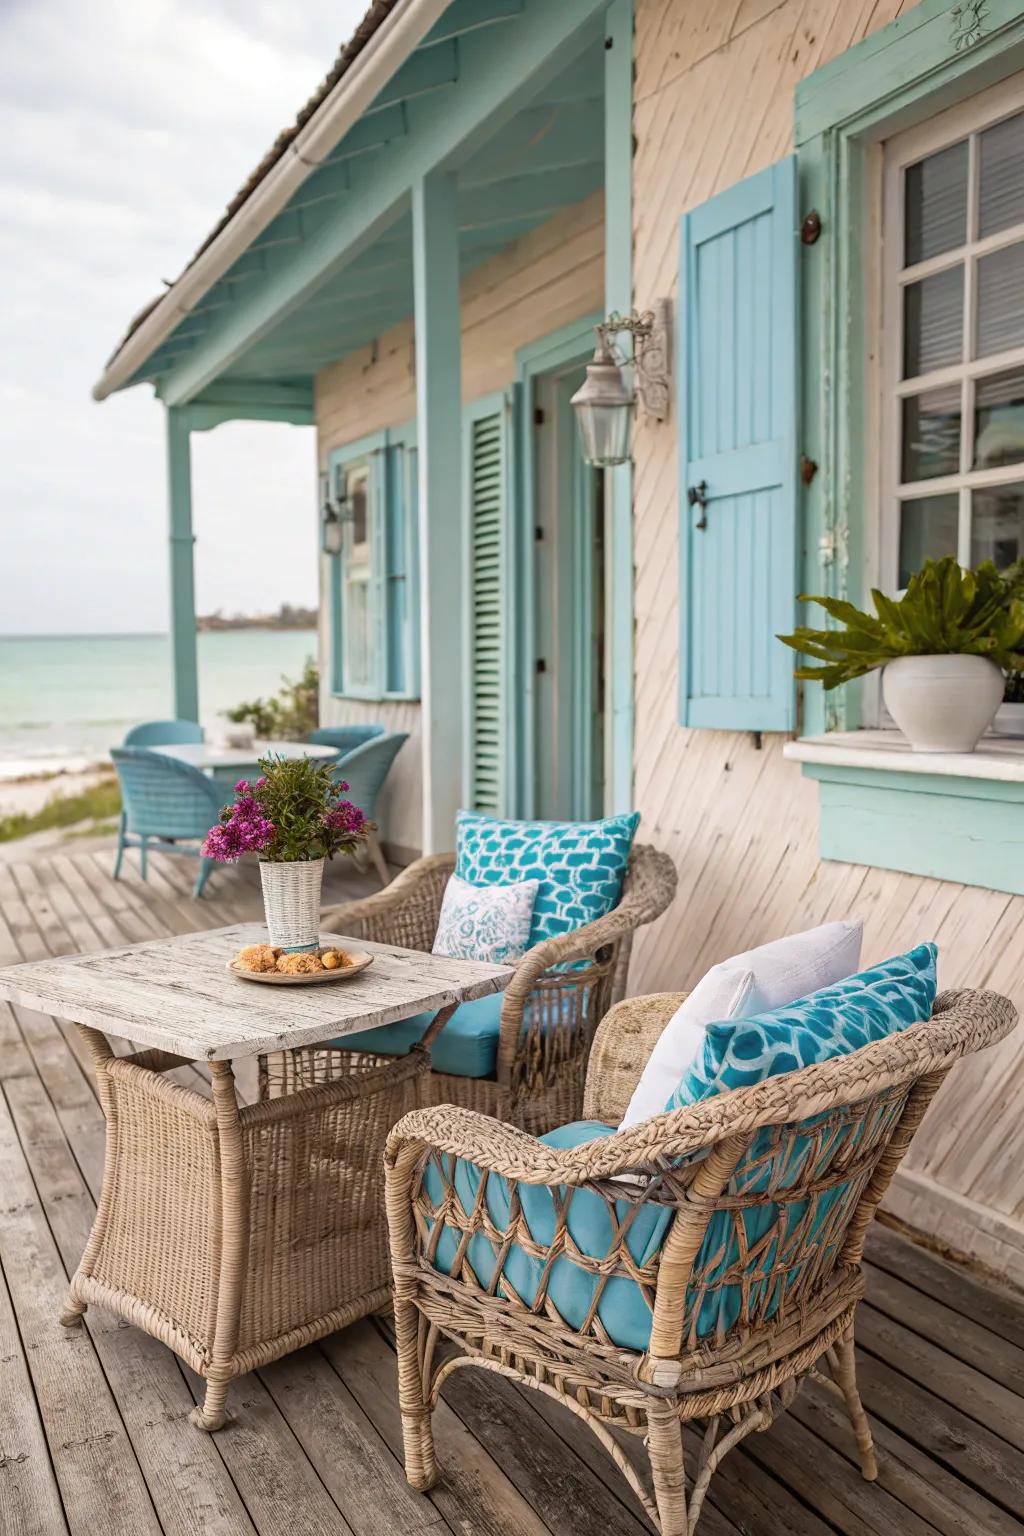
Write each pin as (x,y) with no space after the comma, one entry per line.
(94,1430)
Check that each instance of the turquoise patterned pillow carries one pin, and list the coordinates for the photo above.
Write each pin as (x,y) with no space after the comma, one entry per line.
(580,865)
(831,1022)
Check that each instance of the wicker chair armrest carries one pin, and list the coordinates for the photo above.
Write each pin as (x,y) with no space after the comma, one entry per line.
(348,917)
(622,1046)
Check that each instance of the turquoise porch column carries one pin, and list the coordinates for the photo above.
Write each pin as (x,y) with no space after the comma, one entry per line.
(439,440)
(184,661)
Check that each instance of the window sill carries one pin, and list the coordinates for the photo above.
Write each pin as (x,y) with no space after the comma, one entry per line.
(375,698)
(999,758)
(948,816)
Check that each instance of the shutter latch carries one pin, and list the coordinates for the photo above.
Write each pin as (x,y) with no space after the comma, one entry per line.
(697,496)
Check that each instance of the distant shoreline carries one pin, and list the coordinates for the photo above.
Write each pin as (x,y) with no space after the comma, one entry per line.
(221,627)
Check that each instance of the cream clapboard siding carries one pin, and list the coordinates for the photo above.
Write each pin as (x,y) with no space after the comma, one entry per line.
(714,103)
(550,277)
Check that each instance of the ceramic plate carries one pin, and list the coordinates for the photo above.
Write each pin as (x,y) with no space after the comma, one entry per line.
(360,960)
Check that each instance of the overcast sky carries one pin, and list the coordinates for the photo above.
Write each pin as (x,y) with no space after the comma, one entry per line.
(127,125)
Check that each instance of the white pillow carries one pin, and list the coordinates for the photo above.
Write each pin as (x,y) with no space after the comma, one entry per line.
(485,922)
(771,976)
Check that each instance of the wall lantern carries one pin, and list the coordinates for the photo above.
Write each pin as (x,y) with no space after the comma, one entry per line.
(330,521)
(605,400)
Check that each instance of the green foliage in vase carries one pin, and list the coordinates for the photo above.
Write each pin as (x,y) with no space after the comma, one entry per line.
(290,715)
(945,611)
(294,811)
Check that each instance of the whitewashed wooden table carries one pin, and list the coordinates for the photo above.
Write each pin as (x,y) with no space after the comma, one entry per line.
(234,1232)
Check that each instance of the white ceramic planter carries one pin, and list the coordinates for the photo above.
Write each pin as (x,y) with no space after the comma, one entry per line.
(291,901)
(942,703)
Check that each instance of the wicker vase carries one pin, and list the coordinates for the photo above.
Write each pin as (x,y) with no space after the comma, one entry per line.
(291,901)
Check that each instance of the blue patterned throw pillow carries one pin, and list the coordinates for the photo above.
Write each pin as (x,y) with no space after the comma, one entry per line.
(831,1022)
(580,865)
(485,922)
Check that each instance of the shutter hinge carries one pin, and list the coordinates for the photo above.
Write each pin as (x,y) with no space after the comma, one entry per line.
(542,665)
(808,469)
(538,534)
(538,416)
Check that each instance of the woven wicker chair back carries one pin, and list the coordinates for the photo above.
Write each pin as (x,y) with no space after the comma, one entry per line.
(164,733)
(163,797)
(345,737)
(747,1212)
(365,768)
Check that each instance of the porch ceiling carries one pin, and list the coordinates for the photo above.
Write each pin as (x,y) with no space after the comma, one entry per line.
(546,156)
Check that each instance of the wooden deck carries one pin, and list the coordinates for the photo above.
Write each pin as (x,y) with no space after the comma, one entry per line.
(94,1431)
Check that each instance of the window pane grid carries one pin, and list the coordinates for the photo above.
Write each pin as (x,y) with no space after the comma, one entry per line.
(956,311)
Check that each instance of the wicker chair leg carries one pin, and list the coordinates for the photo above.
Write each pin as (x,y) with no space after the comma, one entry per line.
(665,1448)
(119,860)
(845,1370)
(73,1312)
(212,1415)
(417,1429)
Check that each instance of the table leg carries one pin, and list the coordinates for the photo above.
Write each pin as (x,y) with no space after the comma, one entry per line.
(99,1050)
(436,1025)
(231,1253)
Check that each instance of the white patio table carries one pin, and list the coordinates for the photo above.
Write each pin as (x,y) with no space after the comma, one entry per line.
(235,1233)
(211,758)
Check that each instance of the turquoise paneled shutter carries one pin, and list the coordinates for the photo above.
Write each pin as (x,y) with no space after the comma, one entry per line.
(737,452)
(486,449)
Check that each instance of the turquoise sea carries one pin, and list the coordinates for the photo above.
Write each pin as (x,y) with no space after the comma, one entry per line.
(66,699)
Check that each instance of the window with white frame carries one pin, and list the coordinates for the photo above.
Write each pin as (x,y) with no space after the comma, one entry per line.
(373,582)
(953,338)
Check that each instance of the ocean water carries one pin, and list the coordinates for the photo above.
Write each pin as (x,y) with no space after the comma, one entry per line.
(65,699)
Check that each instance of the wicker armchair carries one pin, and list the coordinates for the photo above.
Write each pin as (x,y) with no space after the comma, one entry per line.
(791,1261)
(548,1017)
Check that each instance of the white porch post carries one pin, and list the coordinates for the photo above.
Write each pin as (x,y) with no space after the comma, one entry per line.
(184,662)
(439,432)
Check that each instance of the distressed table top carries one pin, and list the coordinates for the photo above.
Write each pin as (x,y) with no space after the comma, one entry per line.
(177,994)
(202,754)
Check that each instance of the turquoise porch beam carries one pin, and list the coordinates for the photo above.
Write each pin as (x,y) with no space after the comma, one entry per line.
(618,295)
(499,70)
(184,657)
(439,445)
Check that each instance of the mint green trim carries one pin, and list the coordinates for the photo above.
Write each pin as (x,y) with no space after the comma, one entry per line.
(389,478)
(448,125)
(618,295)
(184,653)
(901,75)
(966,830)
(569,344)
(438,336)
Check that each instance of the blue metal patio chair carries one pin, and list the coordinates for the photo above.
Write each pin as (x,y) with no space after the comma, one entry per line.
(364,770)
(166,802)
(345,737)
(163,733)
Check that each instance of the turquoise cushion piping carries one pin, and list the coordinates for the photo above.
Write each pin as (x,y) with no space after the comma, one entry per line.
(580,865)
(466,1047)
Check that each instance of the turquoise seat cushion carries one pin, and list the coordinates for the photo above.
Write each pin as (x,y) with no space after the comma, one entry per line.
(466,1047)
(621,1308)
(831,1022)
(580,866)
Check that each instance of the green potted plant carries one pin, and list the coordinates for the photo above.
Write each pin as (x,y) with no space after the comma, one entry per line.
(943,647)
(294,817)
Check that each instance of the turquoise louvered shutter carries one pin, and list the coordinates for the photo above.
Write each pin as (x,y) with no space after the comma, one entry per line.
(486,448)
(738,491)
